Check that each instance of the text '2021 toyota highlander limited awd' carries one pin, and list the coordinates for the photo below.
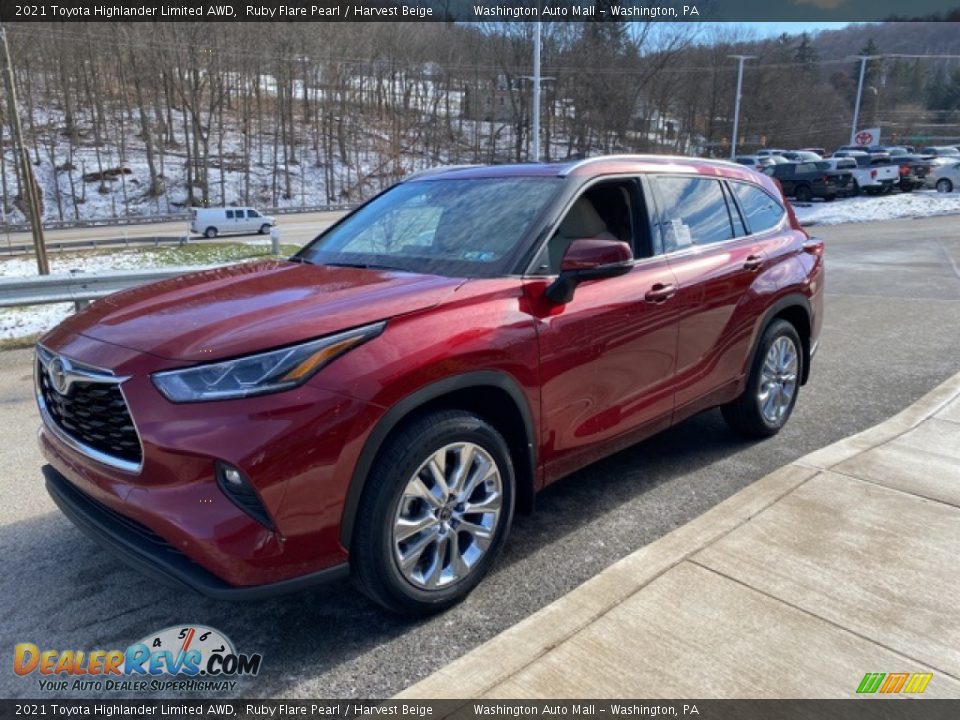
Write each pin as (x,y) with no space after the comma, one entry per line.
(384,400)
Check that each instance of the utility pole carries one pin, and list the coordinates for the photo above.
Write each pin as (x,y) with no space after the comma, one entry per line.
(29,182)
(856,108)
(736,107)
(536,92)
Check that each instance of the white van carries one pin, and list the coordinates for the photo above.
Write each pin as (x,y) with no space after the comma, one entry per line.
(211,222)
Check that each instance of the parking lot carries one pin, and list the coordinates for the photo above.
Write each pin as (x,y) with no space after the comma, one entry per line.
(892,332)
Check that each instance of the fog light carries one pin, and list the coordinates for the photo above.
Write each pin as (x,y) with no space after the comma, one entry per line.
(236,487)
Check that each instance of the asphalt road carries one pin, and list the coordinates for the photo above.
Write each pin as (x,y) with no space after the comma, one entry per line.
(892,332)
(298,228)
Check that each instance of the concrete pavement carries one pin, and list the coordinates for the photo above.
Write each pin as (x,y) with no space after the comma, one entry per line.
(841,563)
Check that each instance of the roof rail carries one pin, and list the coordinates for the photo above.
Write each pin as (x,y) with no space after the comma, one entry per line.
(436,171)
(644,158)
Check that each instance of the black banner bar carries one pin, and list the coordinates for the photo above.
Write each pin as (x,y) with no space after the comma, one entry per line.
(481,10)
(857,709)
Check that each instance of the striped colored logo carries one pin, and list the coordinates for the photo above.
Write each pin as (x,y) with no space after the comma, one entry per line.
(893,683)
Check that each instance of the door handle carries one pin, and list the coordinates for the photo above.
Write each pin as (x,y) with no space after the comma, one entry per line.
(660,292)
(753,262)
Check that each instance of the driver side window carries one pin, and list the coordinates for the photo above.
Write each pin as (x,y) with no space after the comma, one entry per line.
(606,211)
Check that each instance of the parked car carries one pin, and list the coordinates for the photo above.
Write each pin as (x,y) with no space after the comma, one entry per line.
(914,170)
(802,156)
(850,148)
(211,222)
(940,151)
(756,162)
(945,178)
(848,165)
(771,151)
(808,180)
(819,151)
(385,399)
(877,174)
(849,153)
(888,150)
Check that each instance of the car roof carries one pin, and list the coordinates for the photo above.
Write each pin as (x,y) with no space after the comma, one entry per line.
(594,166)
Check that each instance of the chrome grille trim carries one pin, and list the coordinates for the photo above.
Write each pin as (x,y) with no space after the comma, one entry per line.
(74,371)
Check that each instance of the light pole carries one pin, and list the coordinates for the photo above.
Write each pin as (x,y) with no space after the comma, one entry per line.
(736,108)
(856,108)
(536,92)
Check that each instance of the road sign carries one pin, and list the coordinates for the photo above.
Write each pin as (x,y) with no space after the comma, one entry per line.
(870,136)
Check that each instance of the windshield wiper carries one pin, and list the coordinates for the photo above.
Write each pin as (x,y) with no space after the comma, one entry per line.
(361,266)
(299,259)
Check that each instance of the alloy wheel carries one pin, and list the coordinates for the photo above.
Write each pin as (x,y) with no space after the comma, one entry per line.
(778,380)
(447,516)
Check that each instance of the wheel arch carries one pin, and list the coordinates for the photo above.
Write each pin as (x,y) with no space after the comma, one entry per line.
(494,396)
(795,309)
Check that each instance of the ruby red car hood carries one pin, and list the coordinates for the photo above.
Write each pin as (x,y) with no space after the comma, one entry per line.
(231,311)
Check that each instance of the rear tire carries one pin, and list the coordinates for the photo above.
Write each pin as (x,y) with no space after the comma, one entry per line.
(856,188)
(804,194)
(944,186)
(417,548)
(773,385)
(210,233)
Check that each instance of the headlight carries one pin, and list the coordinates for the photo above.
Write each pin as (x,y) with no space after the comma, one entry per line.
(266,372)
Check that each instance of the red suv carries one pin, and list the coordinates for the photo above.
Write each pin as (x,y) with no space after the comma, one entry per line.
(383,401)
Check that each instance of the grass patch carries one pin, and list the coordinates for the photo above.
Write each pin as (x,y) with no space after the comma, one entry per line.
(19,343)
(198,254)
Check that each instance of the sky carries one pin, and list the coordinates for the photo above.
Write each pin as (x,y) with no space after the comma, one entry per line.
(773,29)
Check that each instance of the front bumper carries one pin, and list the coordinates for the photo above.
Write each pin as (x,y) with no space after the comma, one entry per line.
(150,554)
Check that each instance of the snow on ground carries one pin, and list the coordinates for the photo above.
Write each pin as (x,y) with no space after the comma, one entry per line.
(870,208)
(24,322)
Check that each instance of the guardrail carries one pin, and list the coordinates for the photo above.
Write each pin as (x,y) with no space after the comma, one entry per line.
(162,218)
(155,240)
(80,288)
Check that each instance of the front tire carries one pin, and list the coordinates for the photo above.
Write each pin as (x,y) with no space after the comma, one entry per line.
(772,387)
(804,194)
(264,229)
(434,514)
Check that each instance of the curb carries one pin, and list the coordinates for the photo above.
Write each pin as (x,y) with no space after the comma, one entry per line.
(504,655)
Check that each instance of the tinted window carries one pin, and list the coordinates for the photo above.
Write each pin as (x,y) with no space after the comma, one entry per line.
(465,227)
(760,211)
(252,214)
(739,229)
(229,214)
(695,212)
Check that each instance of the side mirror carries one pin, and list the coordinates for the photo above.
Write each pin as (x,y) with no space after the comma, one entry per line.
(588,259)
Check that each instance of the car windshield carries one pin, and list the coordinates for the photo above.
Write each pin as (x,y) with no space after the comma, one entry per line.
(462,228)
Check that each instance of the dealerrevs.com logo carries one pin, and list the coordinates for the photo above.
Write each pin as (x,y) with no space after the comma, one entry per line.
(179,658)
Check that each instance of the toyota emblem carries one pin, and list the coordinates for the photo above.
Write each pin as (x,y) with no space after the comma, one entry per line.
(58,376)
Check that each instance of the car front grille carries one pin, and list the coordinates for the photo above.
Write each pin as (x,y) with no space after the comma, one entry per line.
(92,413)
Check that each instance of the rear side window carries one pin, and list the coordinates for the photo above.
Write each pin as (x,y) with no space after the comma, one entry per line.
(694,212)
(760,211)
(806,168)
(229,214)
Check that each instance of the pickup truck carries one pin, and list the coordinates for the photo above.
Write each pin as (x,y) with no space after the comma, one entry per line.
(807,180)
(871,174)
